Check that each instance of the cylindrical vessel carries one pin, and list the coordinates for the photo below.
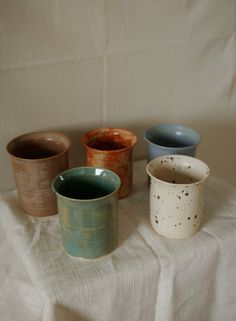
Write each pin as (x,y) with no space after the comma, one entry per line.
(36,159)
(176,194)
(111,148)
(166,139)
(87,199)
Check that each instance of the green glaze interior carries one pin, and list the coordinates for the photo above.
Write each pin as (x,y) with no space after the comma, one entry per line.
(86,183)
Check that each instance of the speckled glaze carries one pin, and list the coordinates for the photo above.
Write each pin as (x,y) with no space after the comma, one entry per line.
(87,199)
(111,148)
(166,139)
(36,159)
(176,194)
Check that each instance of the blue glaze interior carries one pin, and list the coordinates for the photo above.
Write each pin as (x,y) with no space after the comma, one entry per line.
(85,183)
(172,136)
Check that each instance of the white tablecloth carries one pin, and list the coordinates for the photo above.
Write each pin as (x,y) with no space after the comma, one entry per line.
(148,277)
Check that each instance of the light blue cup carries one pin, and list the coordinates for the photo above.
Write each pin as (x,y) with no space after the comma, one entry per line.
(166,139)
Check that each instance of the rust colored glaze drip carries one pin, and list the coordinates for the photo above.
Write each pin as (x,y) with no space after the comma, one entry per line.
(111,148)
(36,159)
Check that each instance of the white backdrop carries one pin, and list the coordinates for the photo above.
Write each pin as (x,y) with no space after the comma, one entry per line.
(74,65)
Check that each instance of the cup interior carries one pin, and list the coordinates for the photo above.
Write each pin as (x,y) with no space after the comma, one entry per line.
(177,169)
(172,136)
(86,183)
(38,145)
(108,139)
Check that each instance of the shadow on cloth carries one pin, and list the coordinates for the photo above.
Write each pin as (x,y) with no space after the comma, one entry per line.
(63,313)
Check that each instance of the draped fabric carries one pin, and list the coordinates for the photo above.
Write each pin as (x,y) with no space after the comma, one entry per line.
(148,277)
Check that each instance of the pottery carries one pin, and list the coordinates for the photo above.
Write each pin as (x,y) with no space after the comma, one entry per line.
(36,159)
(177,192)
(111,148)
(166,139)
(87,199)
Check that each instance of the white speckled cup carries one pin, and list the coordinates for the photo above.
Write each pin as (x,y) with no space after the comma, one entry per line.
(176,194)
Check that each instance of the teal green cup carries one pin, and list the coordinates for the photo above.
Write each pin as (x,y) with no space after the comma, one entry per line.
(87,200)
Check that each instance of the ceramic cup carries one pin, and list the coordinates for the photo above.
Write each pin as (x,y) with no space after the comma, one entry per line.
(111,148)
(87,199)
(36,159)
(166,139)
(176,194)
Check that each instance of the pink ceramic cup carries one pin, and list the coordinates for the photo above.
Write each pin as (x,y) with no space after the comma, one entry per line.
(36,159)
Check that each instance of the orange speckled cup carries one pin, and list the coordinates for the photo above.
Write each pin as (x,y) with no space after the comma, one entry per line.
(111,148)
(36,159)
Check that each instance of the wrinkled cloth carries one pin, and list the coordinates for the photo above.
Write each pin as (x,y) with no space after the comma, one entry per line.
(148,277)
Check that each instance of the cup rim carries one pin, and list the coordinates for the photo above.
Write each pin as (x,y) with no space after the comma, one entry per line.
(207,169)
(92,199)
(59,134)
(173,126)
(84,139)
